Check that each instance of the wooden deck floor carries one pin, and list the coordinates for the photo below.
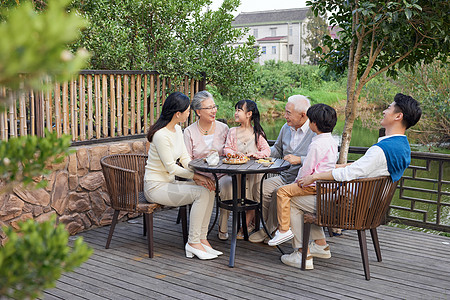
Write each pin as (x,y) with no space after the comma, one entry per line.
(415,266)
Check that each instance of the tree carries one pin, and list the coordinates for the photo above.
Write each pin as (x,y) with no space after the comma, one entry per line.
(317,28)
(33,45)
(172,37)
(381,36)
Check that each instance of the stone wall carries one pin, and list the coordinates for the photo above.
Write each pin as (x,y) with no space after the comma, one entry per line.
(76,191)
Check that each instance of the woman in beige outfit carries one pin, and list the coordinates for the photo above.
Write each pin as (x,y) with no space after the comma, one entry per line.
(166,147)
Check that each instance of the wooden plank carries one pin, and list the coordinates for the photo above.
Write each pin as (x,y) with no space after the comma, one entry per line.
(158,96)
(22,113)
(65,108)
(152,100)
(126,125)
(105,105)
(98,107)
(112,106)
(146,104)
(138,104)
(81,86)
(48,107)
(119,106)
(12,116)
(133,105)
(90,113)
(74,109)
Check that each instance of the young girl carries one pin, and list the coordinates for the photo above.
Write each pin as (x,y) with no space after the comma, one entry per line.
(250,141)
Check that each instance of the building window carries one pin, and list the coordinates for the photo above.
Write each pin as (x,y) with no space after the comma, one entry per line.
(263,50)
(291,49)
(290,31)
(255,32)
(273,31)
(274,49)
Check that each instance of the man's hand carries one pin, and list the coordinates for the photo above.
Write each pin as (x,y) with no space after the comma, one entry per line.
(307,180)
(292,159)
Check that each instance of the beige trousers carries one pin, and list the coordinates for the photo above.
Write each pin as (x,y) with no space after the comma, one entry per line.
(269,198)
(284,195)
(299,205)
(179,193)
(226,193)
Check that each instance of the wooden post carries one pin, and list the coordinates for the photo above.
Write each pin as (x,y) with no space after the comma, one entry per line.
(125,105)
(119,105)
(98,107)
(138,104)
(58,108)
(146,104)
(22,114)
(65,99)
(90,121)
(132,104)
(48,108)
(112,106)
(158,96)
(152,99)
(74,109)
(105,105)
(82,109)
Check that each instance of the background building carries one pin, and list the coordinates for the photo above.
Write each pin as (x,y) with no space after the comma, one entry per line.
(279,33)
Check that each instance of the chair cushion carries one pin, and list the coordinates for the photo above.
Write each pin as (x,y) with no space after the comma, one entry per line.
(144,206)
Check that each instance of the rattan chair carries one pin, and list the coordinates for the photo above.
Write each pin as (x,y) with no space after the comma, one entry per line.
(124,175)
(355,205)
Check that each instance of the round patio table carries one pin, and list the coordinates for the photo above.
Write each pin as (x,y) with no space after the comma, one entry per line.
(239,203)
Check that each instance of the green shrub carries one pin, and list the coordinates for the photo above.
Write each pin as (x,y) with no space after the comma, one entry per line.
(35,256)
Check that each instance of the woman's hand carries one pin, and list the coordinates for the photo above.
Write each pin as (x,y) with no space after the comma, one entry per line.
(292,159)
(204,181)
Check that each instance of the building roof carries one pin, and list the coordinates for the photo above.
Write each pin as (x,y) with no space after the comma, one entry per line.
(272,38)
(271,17)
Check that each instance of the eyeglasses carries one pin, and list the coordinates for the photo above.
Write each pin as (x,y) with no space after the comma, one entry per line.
(211,107)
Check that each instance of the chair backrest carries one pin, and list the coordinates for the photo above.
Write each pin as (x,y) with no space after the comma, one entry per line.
(359,204)
(124,176)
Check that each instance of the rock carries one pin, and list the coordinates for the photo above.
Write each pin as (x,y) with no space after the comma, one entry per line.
(37,211)
(107,217)
(33,196)
(98,204)
(139,147)
(11,208)
(72,168)
(92,181)
(93,218)
(45,217)
(50,181)
(78,202)
(74,227)
(119,148)
(15,224)
(73,182)
(86,222)
(83,162)
(95,154)
(59,196)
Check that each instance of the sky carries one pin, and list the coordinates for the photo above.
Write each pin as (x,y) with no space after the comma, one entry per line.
(260,5)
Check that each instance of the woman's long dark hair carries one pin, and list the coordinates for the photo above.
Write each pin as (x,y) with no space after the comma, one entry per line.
(249,105)
(176,102)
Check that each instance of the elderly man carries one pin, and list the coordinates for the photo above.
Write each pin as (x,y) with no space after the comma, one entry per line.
(291,145)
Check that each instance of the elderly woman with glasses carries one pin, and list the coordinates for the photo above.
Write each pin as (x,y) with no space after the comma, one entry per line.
(206,135)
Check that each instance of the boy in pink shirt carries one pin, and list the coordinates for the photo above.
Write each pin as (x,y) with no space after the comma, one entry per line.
(321,157)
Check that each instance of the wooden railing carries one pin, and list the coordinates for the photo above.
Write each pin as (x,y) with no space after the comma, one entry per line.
(97,104)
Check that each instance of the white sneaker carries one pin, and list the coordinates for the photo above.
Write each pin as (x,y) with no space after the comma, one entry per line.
(319,251)
(295,260)
(280,238)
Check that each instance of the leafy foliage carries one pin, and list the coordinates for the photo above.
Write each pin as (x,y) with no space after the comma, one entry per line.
(430,84)
(31,43)
(317,28)
(381,36)
(35,256)
(26,157)
(172,37)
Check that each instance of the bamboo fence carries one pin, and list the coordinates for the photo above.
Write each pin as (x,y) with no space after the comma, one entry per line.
(96,104)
